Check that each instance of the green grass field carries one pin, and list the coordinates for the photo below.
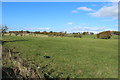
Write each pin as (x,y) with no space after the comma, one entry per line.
(75,57)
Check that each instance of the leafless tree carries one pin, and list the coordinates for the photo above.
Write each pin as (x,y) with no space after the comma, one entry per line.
(3,29)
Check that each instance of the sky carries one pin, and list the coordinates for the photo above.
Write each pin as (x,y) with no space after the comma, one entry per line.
(60,16)
(60,0)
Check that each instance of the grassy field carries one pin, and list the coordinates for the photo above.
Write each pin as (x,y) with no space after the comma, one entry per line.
(75,57)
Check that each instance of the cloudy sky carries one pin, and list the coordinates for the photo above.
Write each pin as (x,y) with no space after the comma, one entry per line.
(60,16)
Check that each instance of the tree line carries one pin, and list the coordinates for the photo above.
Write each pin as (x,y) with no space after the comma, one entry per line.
(3,30)
(51,33)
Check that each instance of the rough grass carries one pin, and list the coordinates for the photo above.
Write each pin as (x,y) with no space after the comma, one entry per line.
(74,57)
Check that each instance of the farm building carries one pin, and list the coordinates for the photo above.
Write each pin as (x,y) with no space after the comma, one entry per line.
(104,35)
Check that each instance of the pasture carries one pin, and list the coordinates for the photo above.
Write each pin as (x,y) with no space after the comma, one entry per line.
(74,57)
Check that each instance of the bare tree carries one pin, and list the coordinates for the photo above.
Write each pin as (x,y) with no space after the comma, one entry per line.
(3,29)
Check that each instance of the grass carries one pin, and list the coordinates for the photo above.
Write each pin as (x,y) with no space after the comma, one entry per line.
(75,57)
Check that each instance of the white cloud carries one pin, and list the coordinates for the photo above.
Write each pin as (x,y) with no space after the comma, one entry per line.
(69,23)
(82,8)
(87,29)
(106,11)
(114,0)
(74,11)
(85,9)
(37,28)
(116,25)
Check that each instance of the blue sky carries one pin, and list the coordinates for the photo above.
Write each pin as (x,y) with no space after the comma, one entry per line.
(60,16)
(59,0)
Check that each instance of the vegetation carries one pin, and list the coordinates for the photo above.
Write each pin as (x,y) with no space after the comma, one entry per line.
(104,35)
(3,29)
(85,57)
